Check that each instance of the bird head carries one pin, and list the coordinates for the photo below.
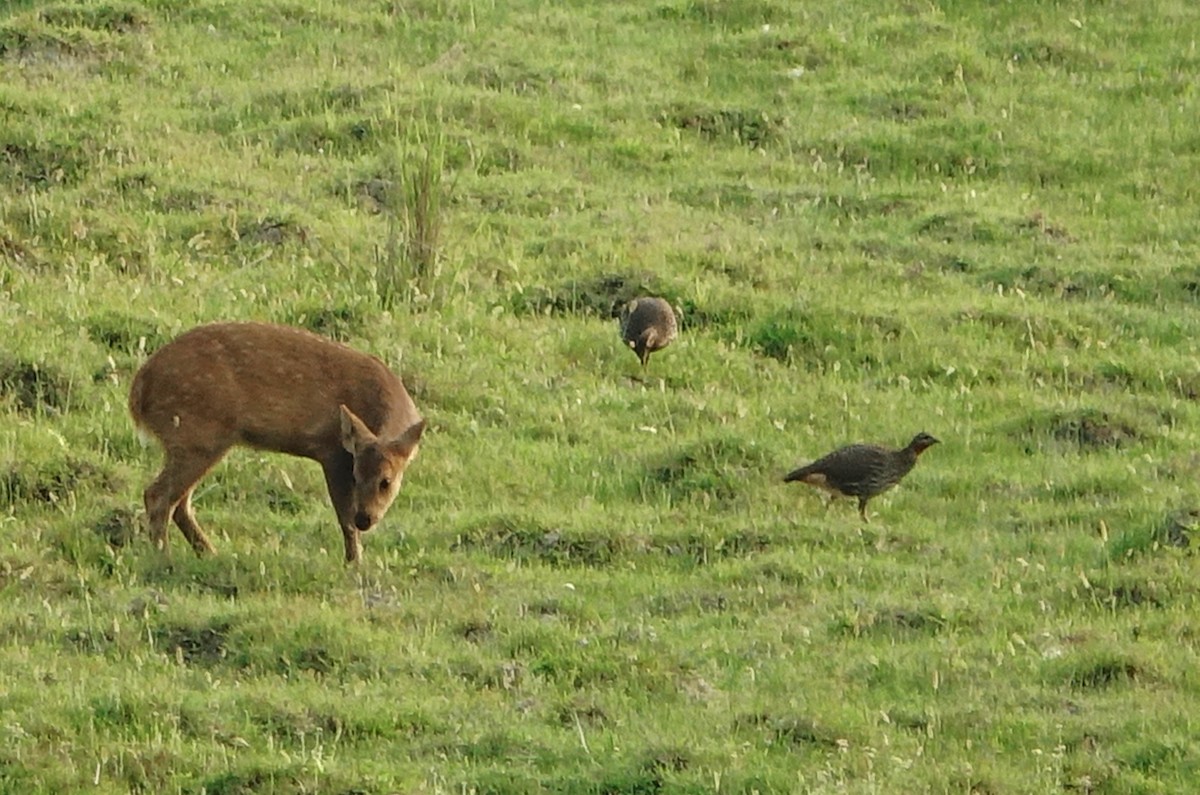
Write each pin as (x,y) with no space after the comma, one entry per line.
(921,442)
(644,344)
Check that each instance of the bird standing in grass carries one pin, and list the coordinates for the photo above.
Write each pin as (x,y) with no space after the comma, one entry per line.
(862,470)
(648,325)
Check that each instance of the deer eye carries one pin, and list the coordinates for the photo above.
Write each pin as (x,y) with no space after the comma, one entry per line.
(384,484)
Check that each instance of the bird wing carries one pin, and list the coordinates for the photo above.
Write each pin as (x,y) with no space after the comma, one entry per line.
(851,468)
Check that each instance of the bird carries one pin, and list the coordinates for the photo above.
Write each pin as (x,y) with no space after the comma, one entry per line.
(862,470)
(648,324)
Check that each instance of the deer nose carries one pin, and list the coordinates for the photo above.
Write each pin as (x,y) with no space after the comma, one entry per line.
(363,521)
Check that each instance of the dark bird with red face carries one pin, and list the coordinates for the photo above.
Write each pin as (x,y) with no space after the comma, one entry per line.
(862,470)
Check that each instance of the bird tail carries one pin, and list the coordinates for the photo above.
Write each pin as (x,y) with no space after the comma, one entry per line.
(797,474)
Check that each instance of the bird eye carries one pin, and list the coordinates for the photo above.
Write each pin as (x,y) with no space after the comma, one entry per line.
(383,484)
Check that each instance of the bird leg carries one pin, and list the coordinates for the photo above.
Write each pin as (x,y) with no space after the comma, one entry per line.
(862,510)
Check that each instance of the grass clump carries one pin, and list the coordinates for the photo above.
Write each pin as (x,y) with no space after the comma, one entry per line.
(33,386)
(413,199)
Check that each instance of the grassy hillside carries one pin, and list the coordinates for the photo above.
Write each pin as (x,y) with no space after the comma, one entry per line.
(977,220)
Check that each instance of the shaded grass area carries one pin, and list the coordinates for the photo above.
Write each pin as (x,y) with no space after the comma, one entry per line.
(977,221)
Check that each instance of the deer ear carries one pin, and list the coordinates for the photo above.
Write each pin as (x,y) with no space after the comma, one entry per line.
(406,445)
(354,432)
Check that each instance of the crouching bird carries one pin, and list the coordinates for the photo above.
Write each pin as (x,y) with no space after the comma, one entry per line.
(862,470)
(648,325)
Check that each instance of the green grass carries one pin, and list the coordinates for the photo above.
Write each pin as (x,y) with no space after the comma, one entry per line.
(977,220)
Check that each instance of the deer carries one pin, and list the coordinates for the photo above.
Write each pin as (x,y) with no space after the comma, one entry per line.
(280,389)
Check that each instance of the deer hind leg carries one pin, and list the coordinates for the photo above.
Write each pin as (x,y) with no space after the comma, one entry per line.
(170,495)
(185,520)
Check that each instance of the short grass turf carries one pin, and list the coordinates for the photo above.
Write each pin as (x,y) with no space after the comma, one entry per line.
(975,219)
